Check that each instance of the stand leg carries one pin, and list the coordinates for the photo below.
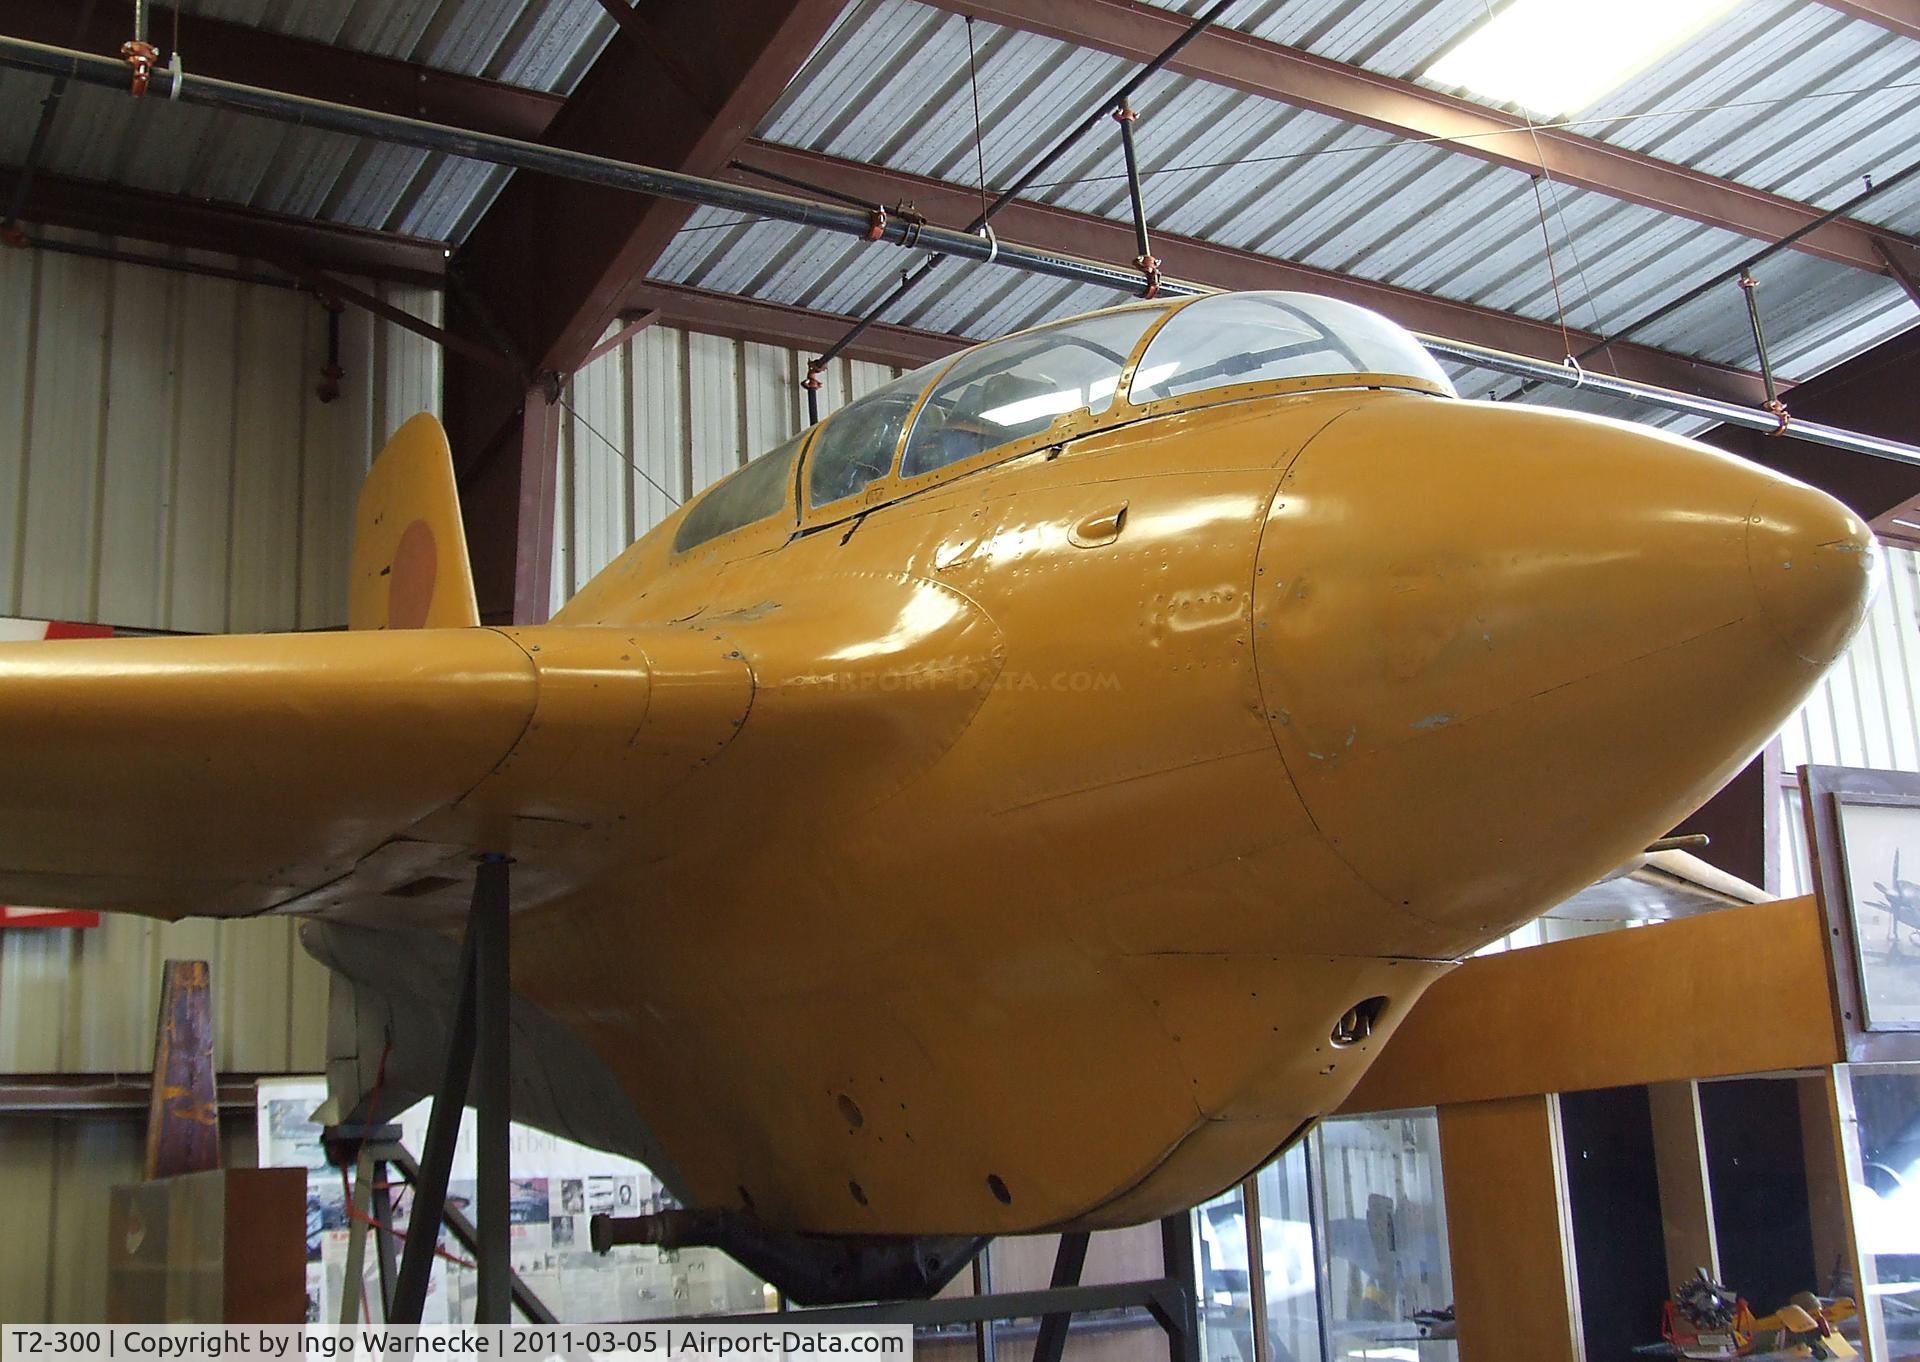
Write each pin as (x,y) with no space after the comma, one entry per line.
(383,1241)
(436,1159)
(1176,1252)
(356,1274)
(491,1078)
(1068,1263)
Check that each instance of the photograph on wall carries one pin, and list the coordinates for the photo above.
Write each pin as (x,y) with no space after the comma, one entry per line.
(1882,852)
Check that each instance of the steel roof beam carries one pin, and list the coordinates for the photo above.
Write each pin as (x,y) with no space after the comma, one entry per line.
(558,299)
(548,263)
(229,228)
(1226,57)
(796,328)
(1084,234)
(1896,16)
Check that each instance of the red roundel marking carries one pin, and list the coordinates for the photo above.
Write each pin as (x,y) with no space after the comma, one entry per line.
(410,589)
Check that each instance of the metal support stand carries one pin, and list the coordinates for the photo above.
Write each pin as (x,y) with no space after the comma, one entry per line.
(986,1348)
(1068,1263)
(493,988)
(1176,1256)
(477,1044)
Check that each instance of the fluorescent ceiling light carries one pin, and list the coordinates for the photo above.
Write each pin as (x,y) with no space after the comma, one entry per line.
(1554,56)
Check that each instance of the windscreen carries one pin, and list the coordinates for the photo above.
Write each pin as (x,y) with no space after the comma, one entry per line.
(1019,386)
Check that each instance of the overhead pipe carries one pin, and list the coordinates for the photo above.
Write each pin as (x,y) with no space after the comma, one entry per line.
(1731,413)
(18,54)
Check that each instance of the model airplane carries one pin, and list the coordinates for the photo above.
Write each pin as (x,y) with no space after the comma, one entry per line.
(1027,799)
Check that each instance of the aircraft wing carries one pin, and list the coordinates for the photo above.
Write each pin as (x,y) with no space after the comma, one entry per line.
(358,774)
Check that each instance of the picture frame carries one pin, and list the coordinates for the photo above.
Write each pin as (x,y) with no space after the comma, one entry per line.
(1863,841)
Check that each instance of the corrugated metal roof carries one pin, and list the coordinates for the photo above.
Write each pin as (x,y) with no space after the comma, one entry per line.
(541,44)
(891,88)
(1786,95)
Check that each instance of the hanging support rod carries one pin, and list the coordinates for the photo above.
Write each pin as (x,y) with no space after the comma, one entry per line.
(908,283)
(86,68)
(1750,287)
(1706,286)
(1149,266)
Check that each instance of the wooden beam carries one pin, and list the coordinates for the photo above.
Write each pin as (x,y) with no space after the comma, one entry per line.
(1606,1011)
(1101,238)
(1686,1192)
(549,265)
(1509,1235)
(183,1120)
(1903,263)
(631,325)
(228,228)
(1401,108)
(254,56)
(326,287)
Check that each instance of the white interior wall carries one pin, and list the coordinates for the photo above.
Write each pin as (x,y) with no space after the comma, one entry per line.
(1865,712)
(165,464)
(164,461)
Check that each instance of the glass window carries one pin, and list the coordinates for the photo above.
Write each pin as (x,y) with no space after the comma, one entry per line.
(1287,1252)
(1018,387)
(1383,1234)
(1255,337)
(1220,1262)
(755,492)
(1886,1204)
(857,442)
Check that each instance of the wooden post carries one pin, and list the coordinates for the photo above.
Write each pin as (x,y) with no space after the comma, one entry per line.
(1829,1134)
(183,1117)
(1508,1231)
(1686,1195)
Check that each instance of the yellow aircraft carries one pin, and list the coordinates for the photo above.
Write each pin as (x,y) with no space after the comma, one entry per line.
(1025,800)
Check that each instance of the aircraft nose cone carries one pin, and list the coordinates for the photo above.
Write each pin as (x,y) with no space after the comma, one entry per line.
(1502,648)
(1811,560)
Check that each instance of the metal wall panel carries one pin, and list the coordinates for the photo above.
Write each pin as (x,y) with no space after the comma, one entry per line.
(163,459)
(1865,712)
(165,464)
(662,416)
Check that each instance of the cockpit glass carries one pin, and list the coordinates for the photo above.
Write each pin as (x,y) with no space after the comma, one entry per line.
(1255,337)
(1019,386)
(754,493)
(857,442)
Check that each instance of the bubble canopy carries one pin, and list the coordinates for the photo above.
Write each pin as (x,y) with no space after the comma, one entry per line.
(1005,395)
(1234,338)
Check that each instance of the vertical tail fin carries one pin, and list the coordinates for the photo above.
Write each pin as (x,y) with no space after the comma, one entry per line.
(410,566)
